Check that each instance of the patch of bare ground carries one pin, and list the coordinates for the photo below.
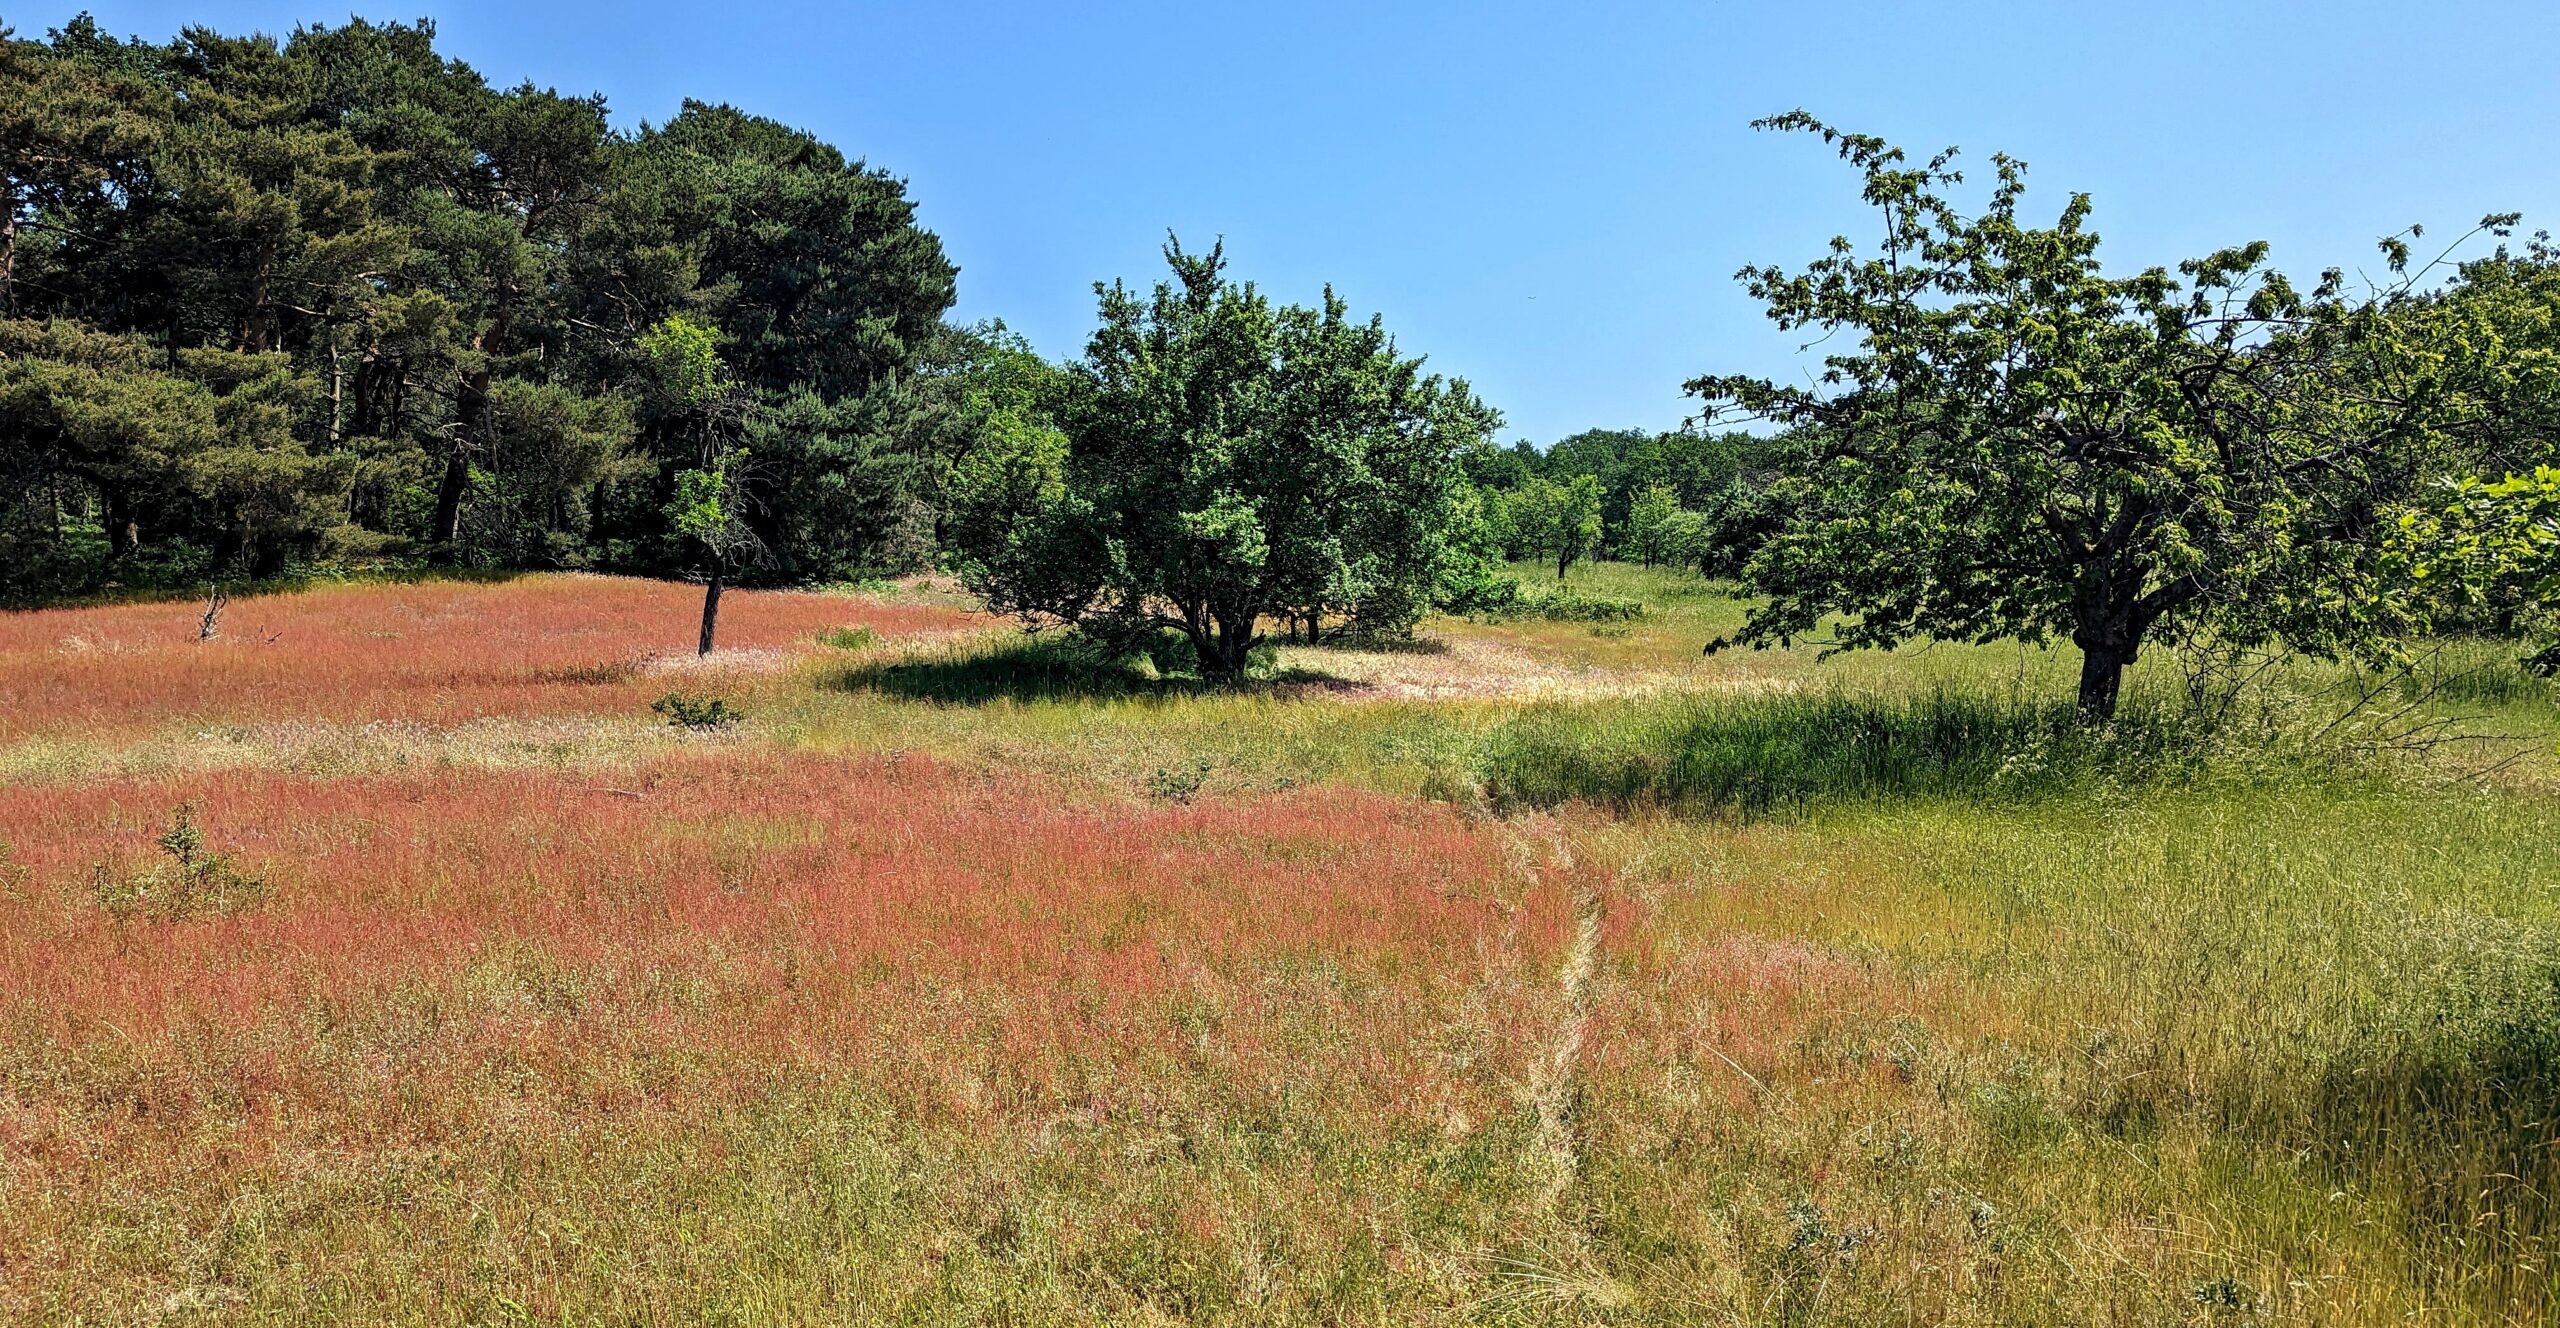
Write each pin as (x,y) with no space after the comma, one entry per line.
(1456,668)
(754,660)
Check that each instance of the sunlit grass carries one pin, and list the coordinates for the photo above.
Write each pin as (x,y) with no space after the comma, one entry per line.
(975,981)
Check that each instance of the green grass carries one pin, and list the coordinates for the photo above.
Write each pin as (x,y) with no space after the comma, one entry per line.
(1746,754)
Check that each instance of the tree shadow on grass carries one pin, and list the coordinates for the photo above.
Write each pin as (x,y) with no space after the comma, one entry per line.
(1054,668)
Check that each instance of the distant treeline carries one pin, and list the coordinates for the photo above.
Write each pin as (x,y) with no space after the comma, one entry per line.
(1682,497)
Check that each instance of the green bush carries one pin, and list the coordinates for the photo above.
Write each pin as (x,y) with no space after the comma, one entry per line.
(194,880)
(686,711)
(849,638)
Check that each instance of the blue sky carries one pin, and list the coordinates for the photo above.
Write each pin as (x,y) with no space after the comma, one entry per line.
(1551,200)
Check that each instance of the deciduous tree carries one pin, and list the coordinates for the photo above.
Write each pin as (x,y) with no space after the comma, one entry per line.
(2012,443)
(1222,462)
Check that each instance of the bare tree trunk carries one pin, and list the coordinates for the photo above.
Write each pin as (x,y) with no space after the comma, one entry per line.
(116,510)
(9,251)
(337,394)
(476,426)
(710,610)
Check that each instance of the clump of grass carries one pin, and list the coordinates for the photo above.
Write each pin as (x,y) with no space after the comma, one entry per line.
(849,638)
(1754,755)
(2474,673)
(685,710)
(2441,1089)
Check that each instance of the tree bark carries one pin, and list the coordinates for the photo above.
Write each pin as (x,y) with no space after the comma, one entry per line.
(477,426)
(124,534)
(457,478)
(710,610)
(1223,641)
(2101,682)
(9,251)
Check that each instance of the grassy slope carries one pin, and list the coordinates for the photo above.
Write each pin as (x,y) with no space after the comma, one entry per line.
(955,994)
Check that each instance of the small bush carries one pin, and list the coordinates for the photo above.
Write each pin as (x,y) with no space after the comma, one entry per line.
(192,882)
(849,638)
(1488,593)
(1179,783)
(686,711)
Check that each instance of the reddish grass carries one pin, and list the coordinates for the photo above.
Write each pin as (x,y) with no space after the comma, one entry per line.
(436,652)
(514,960)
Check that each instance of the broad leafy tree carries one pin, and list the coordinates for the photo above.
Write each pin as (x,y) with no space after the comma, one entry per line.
(1221,463)
(2013,443)
(1651,517)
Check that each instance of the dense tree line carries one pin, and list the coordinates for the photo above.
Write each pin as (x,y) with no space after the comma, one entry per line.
(337,296)
(1686,497)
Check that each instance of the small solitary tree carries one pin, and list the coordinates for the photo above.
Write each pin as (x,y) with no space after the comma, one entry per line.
(708,507)
(2011,443)
(1558,522)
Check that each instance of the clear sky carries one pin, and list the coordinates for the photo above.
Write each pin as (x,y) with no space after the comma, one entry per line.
(1551,199)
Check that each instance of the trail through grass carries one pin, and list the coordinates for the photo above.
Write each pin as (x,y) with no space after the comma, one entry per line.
(1545,972)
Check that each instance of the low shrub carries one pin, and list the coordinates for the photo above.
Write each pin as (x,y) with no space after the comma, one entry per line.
(849,638)
(1180,783)
(686,711)
(193,881)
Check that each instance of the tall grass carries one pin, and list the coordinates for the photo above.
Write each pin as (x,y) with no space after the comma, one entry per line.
(982,980)
(1754,754)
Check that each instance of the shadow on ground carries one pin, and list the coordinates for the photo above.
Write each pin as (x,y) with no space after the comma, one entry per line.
(1052,668)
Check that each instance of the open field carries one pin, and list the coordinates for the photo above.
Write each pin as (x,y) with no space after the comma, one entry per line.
(1487,981)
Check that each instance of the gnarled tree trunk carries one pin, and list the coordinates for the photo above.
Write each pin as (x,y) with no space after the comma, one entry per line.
(2110,617)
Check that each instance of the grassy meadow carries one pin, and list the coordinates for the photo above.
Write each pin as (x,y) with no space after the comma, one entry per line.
(386,959)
